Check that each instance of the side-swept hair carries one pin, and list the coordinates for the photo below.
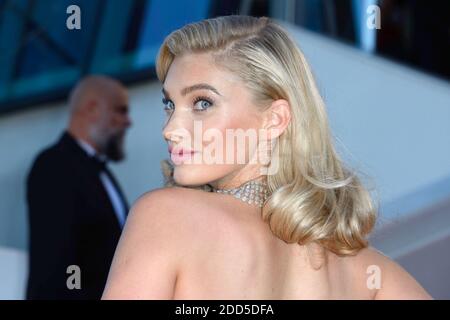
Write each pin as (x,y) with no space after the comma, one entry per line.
(315,198)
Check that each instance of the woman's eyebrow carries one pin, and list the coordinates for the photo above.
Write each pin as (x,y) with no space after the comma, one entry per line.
(199,86)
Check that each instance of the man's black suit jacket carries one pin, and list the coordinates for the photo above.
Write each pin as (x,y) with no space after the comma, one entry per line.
(71,222)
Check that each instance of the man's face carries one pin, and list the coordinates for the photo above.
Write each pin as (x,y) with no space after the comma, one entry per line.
(113,122)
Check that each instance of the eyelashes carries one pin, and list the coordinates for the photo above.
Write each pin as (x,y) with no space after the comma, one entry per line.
(202,99)
(205,104)
(166,102)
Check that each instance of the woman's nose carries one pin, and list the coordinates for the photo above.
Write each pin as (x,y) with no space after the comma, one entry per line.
(174,130)
(171,135)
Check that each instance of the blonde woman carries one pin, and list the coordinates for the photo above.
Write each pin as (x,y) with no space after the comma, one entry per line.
(291,225)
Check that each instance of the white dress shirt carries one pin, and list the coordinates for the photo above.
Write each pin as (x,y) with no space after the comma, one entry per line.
(112,192)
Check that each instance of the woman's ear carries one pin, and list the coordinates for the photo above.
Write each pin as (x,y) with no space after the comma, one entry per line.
(276,118)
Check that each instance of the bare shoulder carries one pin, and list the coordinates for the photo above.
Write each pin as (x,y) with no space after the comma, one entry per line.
(383,277)
(197,221)
(177,202)
(190,223)
(165,226)
(160,212)
(188,213)
(164,203)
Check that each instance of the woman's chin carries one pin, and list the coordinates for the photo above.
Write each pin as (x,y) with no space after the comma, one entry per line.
(185,175)
(196,175)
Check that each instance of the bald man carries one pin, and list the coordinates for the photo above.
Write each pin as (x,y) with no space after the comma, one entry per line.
(76,208)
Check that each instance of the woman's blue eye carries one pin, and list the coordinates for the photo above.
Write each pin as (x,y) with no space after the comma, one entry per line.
(203,105)
(168,105)
(200,104)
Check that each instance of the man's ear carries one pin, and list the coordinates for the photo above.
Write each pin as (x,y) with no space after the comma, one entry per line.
(276,118)
(92,108)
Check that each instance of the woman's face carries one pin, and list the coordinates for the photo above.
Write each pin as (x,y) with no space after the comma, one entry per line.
(211,113)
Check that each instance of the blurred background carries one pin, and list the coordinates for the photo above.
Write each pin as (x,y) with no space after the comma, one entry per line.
(387,92)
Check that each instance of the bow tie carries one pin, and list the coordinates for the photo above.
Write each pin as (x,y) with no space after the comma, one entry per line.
(100,165)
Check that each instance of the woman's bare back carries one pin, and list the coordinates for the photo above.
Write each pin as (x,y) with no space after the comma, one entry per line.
(183,243)
(240,258)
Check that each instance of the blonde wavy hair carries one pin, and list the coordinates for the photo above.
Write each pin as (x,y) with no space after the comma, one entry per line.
(314,198)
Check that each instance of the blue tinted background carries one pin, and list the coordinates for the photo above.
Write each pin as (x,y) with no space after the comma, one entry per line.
(41,57)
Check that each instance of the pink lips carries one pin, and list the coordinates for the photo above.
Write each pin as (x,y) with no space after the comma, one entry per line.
(179,155)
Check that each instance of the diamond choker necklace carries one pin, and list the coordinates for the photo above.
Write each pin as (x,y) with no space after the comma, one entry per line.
(251,192)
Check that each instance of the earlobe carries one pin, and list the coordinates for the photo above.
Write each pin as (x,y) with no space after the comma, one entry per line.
(274,133)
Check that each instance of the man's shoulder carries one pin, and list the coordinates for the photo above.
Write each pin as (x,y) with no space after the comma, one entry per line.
(48,154)
(51,161)
(46,159)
